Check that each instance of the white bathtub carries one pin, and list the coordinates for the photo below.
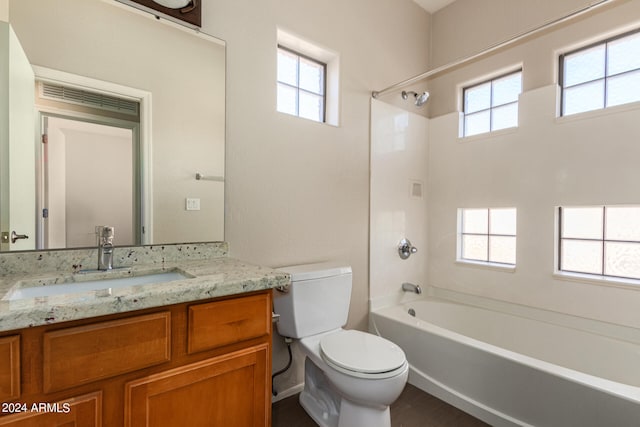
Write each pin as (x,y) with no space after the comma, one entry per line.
(511,370)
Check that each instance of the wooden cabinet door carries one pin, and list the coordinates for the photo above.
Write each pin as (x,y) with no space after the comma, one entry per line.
(82,411)
(9,368)
(231,390)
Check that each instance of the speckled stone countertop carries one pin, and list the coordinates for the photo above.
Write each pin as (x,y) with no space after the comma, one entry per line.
(209,273)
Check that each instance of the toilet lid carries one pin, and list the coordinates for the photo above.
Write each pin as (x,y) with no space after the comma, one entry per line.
(358,351)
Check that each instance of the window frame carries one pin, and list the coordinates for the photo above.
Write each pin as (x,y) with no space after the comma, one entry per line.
(491,106)
(603,241)
(298,89)
(488,234)
(605,79)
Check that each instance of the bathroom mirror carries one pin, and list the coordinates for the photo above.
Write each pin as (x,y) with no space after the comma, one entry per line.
(175,76)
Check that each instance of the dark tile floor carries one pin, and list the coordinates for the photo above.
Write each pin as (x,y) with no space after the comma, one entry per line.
(414,408)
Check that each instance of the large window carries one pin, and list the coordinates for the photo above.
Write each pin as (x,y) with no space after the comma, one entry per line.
(601,75)
(487,235)
(492,105)
(301,85)
(600,240)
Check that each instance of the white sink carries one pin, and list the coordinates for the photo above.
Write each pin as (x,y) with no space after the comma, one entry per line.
(45,290)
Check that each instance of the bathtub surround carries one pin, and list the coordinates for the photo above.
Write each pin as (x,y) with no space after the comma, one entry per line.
(547,161)
(399,161)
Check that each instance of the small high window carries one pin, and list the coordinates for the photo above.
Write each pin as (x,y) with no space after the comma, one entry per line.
(301,85)
(601,75)
(600,240)
(487,235)
(492,105)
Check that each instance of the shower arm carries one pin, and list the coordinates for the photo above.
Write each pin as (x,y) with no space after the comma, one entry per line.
(493,48)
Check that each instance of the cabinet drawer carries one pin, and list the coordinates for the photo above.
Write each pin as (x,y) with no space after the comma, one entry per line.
(226,322)
(81,411)
(9,368)
(84,354)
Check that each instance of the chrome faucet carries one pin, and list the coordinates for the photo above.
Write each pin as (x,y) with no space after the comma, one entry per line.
(105,247)
(410,287)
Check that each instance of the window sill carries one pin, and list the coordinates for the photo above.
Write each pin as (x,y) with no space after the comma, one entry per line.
(588,115)
(307,119)
(594,279)
(487,135)
(486,265)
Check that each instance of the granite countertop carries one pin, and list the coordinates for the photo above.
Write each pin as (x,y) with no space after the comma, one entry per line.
(206,278)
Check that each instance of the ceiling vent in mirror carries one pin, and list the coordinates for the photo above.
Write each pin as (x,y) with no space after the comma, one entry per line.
(173,4)
(186,12)
(89,99)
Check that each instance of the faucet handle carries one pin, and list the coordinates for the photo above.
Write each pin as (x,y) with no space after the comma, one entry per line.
(405,249)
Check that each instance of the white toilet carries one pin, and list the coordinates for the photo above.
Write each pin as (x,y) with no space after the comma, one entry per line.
(351,377)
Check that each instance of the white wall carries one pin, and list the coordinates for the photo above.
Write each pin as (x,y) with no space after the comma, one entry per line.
(466,27)
(545,162)
(298,191)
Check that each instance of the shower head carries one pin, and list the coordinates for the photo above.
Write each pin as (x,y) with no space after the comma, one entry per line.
(420,99)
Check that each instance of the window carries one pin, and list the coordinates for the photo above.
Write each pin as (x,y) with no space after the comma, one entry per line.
(601,75)
(487,235)
(600,240)
(301,85)
(492,105)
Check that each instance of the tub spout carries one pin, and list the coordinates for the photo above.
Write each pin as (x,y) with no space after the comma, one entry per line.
(410,287)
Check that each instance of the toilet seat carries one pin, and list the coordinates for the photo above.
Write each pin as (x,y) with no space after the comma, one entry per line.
(363,355)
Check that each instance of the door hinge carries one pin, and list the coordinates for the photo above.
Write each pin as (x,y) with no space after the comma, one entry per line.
(45,138)
(45,213)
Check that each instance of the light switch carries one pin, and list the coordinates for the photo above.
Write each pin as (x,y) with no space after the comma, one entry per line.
(193,204)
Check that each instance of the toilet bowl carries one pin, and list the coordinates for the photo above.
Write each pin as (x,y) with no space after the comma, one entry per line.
(351,377)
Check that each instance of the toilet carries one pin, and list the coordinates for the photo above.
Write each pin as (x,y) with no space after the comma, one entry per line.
(351,377)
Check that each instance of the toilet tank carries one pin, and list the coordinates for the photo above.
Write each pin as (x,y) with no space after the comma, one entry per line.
(317,300)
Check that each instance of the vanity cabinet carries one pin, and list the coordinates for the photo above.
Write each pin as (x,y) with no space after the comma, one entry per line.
(205,363)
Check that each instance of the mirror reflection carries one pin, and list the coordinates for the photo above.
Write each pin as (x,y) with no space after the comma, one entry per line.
(132,108)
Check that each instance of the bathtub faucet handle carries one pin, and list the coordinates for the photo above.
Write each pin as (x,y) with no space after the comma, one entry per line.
(405,249)
(410,287)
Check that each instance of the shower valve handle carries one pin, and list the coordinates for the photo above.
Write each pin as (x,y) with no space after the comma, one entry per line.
(405,249)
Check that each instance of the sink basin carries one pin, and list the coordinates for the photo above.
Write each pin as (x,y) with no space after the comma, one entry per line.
(44,290)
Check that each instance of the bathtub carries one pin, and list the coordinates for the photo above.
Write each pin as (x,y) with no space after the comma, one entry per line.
(510,370)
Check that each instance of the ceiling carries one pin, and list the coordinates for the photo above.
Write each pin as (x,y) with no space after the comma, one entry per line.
(433,6)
